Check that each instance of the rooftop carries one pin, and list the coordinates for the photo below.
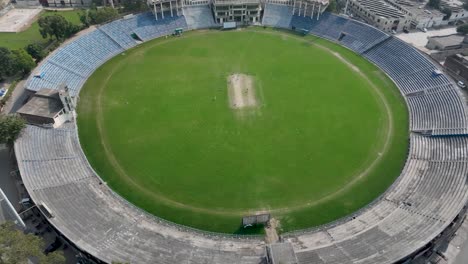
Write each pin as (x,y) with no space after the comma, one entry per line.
(418,9)
(462,57)
(381,8)
(449,40)
(45,103)
(454,5)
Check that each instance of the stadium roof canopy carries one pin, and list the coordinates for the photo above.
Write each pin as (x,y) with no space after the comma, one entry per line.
(45,103)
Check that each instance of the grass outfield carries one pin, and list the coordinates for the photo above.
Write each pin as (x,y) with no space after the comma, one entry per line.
(328,135)
(31,35)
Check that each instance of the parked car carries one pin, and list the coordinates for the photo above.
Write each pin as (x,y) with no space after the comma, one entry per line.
(3,92)
(461,84)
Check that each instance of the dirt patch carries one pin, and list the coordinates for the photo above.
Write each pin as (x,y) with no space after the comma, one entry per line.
(241,91)
(271,235)
(352,66)
(18,19)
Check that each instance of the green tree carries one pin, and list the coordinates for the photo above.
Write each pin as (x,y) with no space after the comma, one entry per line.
(17,247)
(447,12)
(56,26)
(36,51)
(99,16)
(105,14)
(13,62)
(84,18)
(134,5)
(10,129)
(331,6)
(6,63)
(434,4)
(22,62)
(463,29)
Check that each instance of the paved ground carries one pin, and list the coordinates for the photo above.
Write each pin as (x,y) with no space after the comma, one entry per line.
(17,98)
(419,38)
(18,19)
(6,182)
(460,242)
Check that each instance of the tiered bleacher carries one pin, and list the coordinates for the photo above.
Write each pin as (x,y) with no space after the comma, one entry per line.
(397,58)
(99,44)
(148,28)
(429,194)
(75,62)
(278,16)
(328,26)
(415,210)
(52,75)
(121,31)
(199,17)
(360,37)
(424,79)
(440,112)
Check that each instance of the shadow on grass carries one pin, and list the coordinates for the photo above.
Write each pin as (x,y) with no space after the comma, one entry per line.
(253,230)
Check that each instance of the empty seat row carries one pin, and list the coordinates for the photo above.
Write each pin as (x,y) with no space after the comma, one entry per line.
(327,26)
(150,28)
(397,58)
(361,37)
(433,111)
(75,62)
(199,17)
(120,31)
(278,16)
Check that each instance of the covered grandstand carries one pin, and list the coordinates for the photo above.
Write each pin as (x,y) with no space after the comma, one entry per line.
(429,196)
